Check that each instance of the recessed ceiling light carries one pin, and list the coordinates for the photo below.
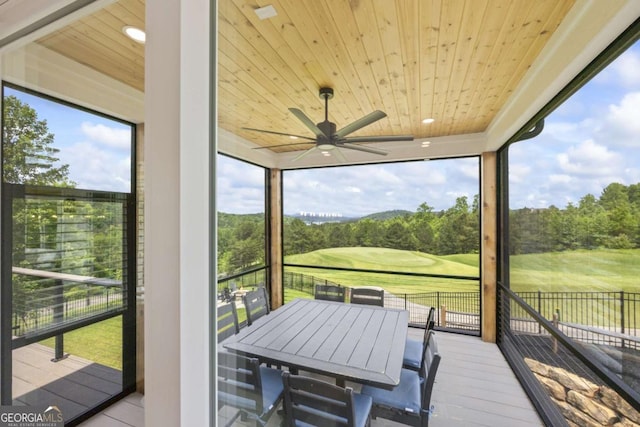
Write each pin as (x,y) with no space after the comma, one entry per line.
(135,34)
(326,154)
(293,137)
(429,120)
(426,144)
(266,12)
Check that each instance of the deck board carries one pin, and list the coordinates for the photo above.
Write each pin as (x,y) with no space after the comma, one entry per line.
(73,384)
(474,387)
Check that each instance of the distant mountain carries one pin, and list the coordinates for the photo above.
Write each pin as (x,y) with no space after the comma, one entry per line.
(229,219)
(321,218)
(381,216)
(312,218)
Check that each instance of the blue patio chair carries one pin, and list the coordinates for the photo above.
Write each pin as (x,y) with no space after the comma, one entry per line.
(256,303)
(409,402)
(330,293)
(253,389)
(414,349)
(313,402)
(367,296)
(227,321)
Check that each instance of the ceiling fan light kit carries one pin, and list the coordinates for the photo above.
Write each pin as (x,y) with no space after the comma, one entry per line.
(327,137)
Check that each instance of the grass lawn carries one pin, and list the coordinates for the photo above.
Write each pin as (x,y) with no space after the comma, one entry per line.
(389,260)
(571,271)
(101,342)
(574,271)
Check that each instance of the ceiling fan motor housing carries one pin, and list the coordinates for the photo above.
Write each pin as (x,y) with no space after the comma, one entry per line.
(326,92)
(328,128)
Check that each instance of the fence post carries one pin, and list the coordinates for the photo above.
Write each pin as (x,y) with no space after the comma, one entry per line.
(58,317)
(443,316)
(556,320)
(622,315)
(539,310)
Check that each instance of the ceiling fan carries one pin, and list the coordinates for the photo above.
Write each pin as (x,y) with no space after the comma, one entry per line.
(326,136)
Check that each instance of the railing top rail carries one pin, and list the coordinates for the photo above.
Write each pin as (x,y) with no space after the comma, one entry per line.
(554,293)
(396,273)
(242,273)
(99,281)
(601,331)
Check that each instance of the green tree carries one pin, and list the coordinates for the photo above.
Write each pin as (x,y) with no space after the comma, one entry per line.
(615,201)
(296,237)
(398,236)
(422,227)
(592,223)
(458,231)
(368,233)
(28,154)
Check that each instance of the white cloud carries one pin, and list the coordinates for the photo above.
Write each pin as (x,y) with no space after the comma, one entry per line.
(621,127)
(560,179)
(518,172)
(589,159)
(117,138)
(626,69)
(623,72)
(97,169)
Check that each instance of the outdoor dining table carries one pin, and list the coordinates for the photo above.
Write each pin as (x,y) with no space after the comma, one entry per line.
(359,343)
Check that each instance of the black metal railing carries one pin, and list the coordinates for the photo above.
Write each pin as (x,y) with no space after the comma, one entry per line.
(235,285)
(455,310)
(41,314)
(55,300)
(593,317)
(565,372)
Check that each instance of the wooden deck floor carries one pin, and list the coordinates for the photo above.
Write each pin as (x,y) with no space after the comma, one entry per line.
(474,387)
(72,384)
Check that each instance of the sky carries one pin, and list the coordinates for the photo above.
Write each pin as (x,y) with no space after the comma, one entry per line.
(588,142)
(97,149)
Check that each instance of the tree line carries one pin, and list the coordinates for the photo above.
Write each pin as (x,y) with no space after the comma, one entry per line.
(451,231)
(241,238)
(611,220)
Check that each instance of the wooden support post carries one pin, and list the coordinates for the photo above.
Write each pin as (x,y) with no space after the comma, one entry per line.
(488,249)
(275,238)
(443,316)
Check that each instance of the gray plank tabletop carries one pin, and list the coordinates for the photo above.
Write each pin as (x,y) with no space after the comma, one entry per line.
(352,342)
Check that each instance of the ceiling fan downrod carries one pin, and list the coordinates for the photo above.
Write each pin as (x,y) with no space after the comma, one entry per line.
(327,94)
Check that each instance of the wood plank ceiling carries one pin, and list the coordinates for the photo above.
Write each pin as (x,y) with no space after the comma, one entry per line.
(456,61)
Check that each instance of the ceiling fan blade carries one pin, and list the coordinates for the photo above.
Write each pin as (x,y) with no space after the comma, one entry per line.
(360,123)
(279,133)
(303,154)
(365,149)
(382,138)
(308,123)
(340,155)
(284,145)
